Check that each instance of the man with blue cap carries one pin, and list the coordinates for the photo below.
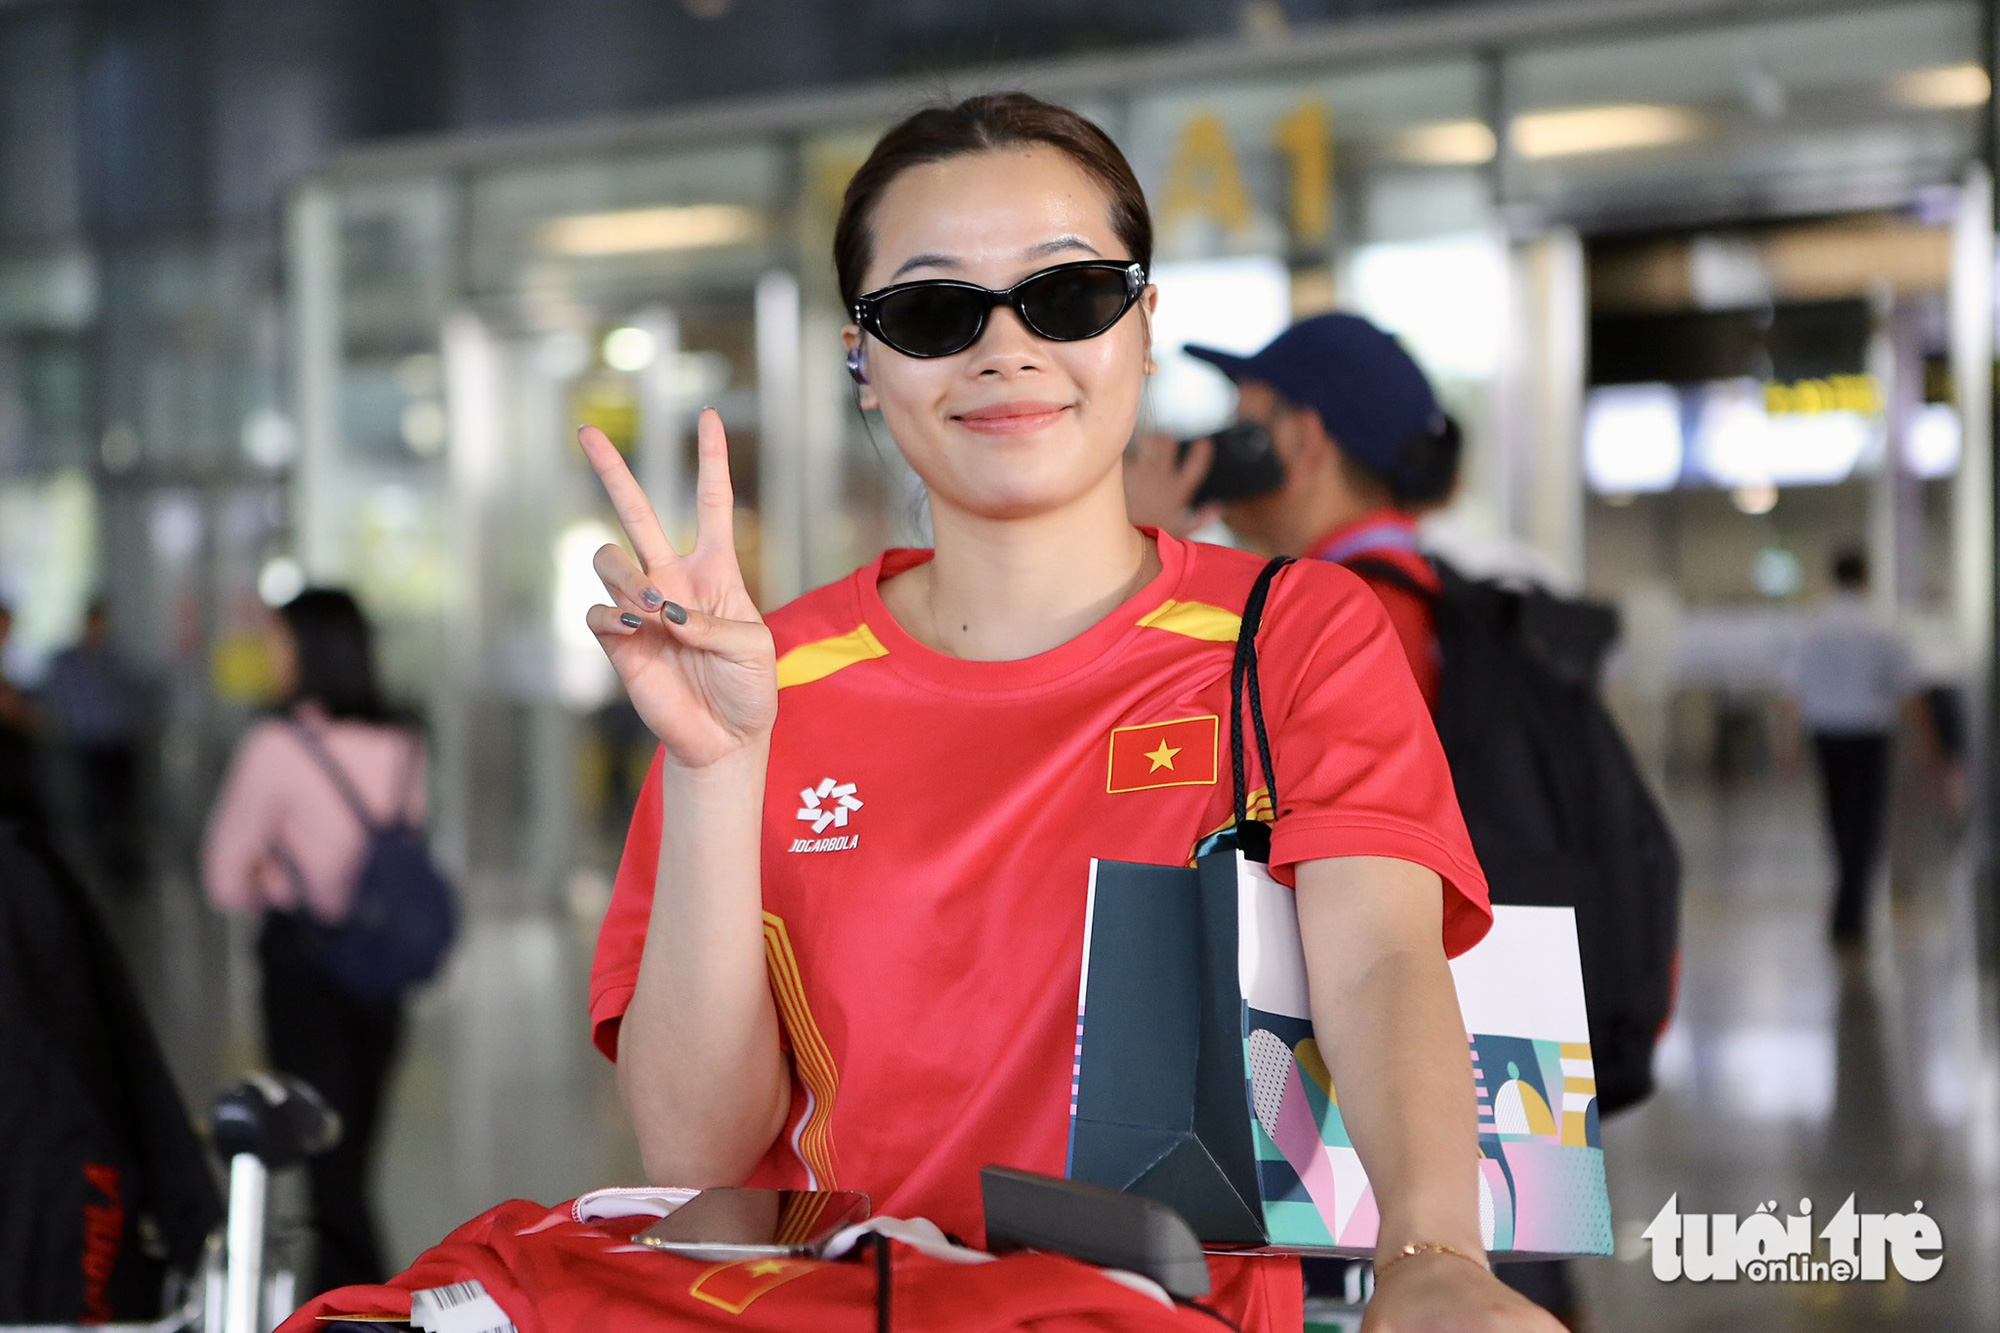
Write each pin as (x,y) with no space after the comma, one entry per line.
(1358,445)
(1354,446)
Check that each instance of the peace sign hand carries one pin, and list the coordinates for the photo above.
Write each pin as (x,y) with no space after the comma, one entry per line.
(694,655)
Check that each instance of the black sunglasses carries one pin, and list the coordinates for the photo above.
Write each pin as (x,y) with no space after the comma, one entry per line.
(941,317)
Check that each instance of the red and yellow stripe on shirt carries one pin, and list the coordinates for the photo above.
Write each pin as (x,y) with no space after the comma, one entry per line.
(810,1055)
(1180,753)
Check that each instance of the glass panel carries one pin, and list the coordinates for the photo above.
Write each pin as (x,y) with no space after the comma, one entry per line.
(549,235)
(1372,188)
(862,497)
(1304,167)
(1842,110)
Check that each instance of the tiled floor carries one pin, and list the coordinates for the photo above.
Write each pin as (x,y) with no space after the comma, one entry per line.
(1789,1075)
(1786,1074)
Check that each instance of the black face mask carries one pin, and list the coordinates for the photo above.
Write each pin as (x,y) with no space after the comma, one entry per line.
(942,317)
(1423,470)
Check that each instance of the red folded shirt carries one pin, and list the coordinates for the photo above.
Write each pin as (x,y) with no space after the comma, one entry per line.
(552,1273)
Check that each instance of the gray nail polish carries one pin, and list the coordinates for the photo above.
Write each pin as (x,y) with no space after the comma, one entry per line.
(630,621)
(674,612)
(651,599)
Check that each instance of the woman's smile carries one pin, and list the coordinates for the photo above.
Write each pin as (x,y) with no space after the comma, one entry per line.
(1021,417)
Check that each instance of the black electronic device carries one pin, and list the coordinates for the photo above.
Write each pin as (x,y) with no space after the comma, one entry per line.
(726,1224)
(1110,1228)
(1245,464)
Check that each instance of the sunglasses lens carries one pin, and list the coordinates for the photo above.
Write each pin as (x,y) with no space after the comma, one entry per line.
(931,321)
(1072,304)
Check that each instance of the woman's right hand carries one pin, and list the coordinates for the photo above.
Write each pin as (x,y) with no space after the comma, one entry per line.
(1160,485)
(694,655)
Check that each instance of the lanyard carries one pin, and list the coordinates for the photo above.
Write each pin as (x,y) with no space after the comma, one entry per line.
(1387,535)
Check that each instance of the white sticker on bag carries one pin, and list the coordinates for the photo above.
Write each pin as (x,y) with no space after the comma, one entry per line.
(462,1307)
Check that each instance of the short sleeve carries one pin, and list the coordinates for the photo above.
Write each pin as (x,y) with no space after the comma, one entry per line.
(1360,771)
(243,824)
(614,971)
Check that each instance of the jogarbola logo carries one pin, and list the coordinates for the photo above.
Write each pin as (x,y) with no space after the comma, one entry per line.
(827,806)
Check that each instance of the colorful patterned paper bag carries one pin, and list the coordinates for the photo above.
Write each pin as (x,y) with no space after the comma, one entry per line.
(1198,1080)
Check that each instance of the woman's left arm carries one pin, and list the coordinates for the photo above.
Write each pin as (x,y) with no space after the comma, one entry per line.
(1389,1027)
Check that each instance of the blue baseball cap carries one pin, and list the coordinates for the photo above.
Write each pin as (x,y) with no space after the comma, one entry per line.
(1370,396)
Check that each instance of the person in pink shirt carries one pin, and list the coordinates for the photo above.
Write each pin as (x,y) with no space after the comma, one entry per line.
(284,842)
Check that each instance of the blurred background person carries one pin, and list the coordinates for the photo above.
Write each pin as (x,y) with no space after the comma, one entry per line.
(283,842)
(1361,446)
(1852,682)
(93,710)
(1361,449)
(20,776)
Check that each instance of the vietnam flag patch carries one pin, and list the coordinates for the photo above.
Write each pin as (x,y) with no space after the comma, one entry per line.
(734,1287)
(1182,753)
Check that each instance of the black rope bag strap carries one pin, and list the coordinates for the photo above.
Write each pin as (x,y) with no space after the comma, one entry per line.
(1245,688)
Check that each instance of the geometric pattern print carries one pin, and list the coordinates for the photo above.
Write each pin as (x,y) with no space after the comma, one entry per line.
(1535,1089)
(1541,1167)
(813,1140)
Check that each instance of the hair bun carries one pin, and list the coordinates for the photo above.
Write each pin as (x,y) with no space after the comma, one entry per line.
(1425,468)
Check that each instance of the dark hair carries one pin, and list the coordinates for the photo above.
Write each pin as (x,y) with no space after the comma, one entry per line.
(1850,568)
(981,125)
(1422,470)
(1426,465)
(336,656)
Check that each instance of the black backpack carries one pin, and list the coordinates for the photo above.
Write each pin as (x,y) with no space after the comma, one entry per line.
(105,1188)
(404,916)
(1557,808)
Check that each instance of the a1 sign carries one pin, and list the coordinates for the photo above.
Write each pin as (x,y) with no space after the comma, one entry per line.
(1205,180)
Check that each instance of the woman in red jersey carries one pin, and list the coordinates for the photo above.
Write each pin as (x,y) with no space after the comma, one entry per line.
(845,943)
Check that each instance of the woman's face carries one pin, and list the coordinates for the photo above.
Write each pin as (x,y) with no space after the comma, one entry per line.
(1015,425)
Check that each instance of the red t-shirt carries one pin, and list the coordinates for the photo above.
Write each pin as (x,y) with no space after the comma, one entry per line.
(549,1271)
(1390,537)
(928,829)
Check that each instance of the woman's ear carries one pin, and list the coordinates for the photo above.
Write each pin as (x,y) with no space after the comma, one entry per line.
(857,367)
(1149,301)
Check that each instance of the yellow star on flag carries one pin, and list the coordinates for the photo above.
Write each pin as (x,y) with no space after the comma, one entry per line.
(767,1268)
(1162,757)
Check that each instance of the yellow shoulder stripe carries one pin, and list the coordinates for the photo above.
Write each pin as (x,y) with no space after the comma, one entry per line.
(1197,620)
(817,660)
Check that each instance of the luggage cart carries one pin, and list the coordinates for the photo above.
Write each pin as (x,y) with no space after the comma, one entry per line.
(265,1123)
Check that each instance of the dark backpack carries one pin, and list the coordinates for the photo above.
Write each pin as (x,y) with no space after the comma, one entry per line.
(404,915)
(104,1187)
(1557,808)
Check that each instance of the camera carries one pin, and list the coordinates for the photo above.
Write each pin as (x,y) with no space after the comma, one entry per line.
(1245,464)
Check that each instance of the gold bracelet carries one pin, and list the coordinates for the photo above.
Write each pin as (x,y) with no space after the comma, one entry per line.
(1417,1247)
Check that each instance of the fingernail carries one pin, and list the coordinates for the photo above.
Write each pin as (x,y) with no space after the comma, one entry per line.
(630,621)
(651,599)
(675,612)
